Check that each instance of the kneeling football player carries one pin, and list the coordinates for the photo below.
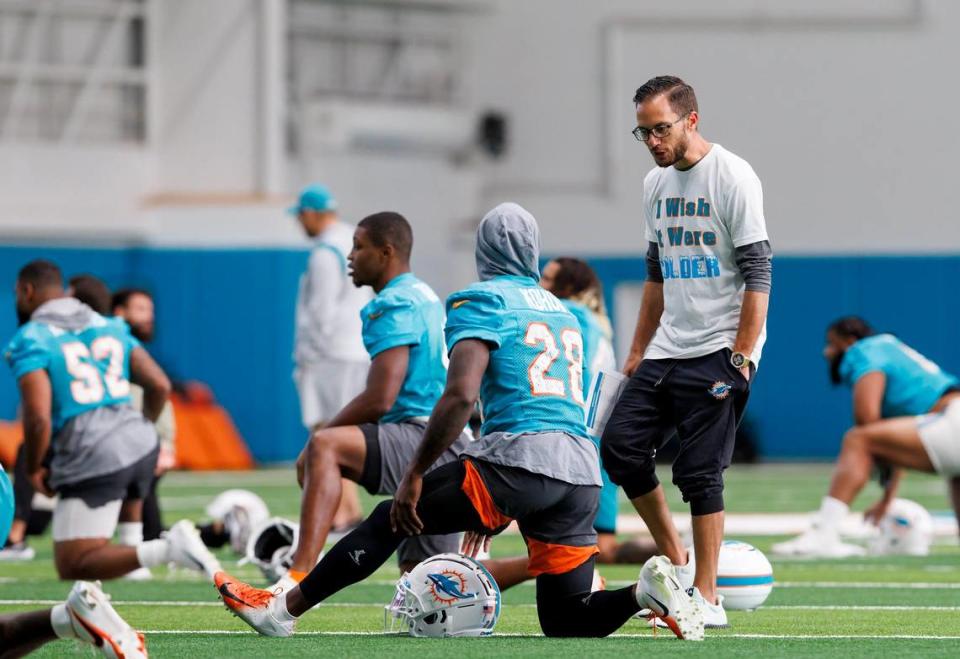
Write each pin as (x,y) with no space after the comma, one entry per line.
(514,346)
(907,413)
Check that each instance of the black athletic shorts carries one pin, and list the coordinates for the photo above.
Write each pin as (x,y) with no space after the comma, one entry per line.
(555,517)
(701,399)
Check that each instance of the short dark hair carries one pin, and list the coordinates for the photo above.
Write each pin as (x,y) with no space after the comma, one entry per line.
(389,228)
(574,275)
(853,327)
(41,273)
(680,95)
(92,292)
(122,296)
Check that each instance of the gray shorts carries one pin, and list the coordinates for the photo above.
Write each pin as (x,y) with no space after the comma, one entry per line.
(390,449)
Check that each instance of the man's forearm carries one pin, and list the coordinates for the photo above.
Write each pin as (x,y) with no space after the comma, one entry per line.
(362,409)
(448,420)
(648,320)
(154,400)
(893,483)
(36,433)
(753,315)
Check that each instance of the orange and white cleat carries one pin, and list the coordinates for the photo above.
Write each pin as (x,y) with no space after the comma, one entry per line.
(660,591)
(95,621)
(255,606)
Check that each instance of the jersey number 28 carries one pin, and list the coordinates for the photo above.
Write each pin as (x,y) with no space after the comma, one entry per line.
(542,384)
(88,383)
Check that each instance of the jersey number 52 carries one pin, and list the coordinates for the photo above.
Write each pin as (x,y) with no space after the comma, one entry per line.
(88,383)
(542,384)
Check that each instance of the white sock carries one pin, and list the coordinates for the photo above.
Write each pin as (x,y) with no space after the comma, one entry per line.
(832,513)
(153,552)
(61,623)
(130,533)
(279,609)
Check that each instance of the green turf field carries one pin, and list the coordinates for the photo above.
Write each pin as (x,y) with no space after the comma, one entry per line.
(862,607)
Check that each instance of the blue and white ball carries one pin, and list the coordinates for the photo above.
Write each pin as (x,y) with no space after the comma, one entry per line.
(744,576)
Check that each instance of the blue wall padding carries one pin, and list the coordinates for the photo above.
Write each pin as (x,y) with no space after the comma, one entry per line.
(226,317)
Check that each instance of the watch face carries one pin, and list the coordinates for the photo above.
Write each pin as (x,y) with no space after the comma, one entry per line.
(738,360)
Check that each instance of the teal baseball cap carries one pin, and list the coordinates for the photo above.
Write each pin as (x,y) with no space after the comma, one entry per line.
(314,198)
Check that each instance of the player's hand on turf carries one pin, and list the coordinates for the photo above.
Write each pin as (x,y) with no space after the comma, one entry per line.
(633,361)
(403,512)
(39,481)
(875,513)
(473,542)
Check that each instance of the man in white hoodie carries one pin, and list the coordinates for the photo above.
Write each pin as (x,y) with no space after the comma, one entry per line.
(331,362)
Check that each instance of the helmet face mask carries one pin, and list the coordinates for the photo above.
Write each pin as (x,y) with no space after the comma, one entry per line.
(445,595)
(271,545)
(240,511)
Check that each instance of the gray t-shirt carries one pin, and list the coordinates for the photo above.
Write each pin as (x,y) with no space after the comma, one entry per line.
(565,457)
(98,442)
(698,218)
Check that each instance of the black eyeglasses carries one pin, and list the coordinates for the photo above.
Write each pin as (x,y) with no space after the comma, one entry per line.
(660,130)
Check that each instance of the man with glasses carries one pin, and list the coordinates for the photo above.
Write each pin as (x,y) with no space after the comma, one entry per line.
(699,335)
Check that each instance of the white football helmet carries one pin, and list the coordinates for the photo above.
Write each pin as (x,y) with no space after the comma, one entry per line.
(445,595)
(906,528)
(271,546)
(240,511)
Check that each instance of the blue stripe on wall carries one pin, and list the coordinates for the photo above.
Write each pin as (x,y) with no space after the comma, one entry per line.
(226,316)
(793,407)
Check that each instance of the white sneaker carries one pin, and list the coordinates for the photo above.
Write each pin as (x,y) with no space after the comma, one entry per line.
(258,608)
(818,543)
(187,549)
(20,551)
(714,615)
(686,573)
(140,574)
(94,620)
(660,591)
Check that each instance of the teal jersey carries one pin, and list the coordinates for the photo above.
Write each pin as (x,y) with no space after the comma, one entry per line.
(7,506)
(597,347)
(914,383)
(534,381)
(89,367)
(408,313)
(597,355)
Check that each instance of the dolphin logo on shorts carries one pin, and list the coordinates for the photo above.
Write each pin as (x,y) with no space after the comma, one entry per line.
(720,390)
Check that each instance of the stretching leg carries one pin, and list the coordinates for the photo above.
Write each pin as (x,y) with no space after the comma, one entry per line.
(443,508)
(22,633)
(894,441)
(566,607)
(330,454)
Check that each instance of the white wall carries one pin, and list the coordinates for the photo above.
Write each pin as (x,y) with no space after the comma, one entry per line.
(207,76)
(843,108)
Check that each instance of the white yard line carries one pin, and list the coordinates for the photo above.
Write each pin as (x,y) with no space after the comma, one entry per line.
(359,605)
(918,637)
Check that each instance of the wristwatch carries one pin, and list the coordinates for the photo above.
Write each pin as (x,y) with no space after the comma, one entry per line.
(739,360)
